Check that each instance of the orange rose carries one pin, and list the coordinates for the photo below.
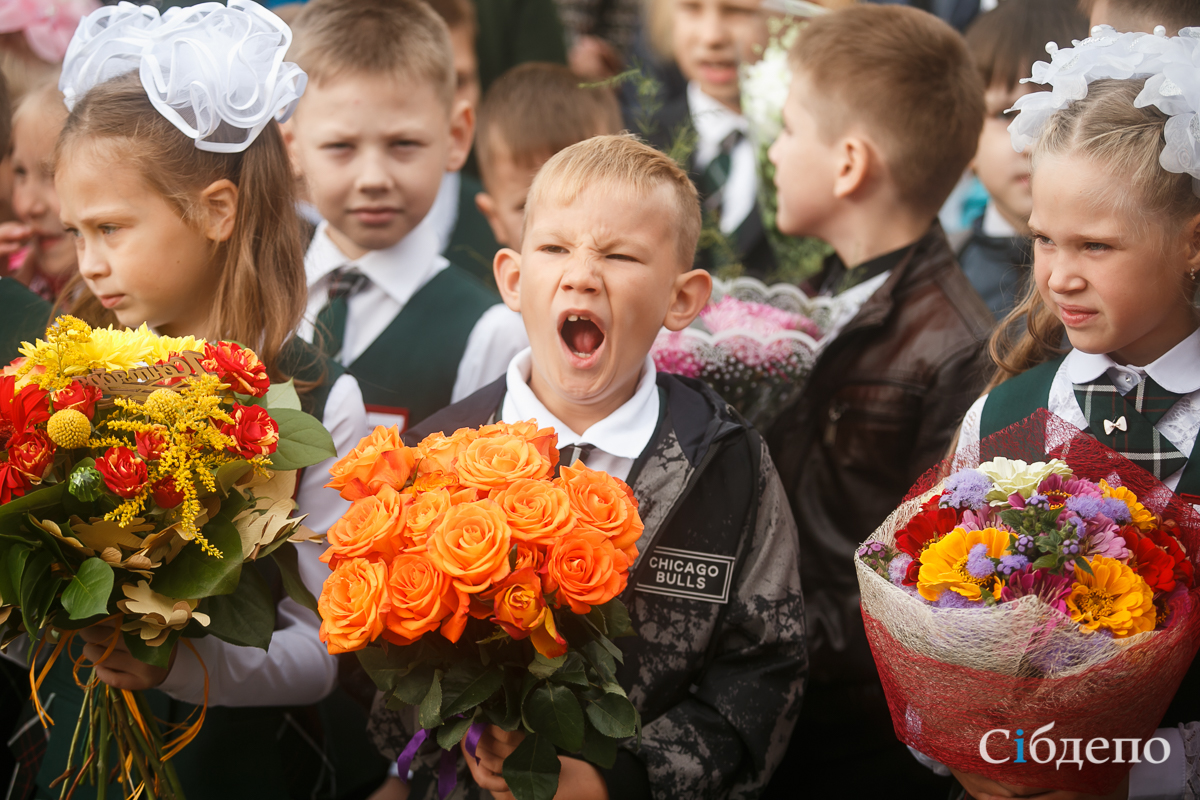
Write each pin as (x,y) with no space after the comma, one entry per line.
(372,527)
(381,459)
(586,570)
(605,504)
(353,604)
(423,515)
(530,555)
(471,545)
(437,452)
(496,461)
(432,481)
(544,440)
(520,609)
(537,511)
(421,597)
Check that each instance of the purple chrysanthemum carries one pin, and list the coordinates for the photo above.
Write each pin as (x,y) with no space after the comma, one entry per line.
(1086,505)
(1116,510)
(1010,564)
(898,568)
(966,489)
(979,563)
(951,599)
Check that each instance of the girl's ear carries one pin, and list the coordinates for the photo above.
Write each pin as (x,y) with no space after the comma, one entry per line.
(219,200)
(507,269)
(691,293)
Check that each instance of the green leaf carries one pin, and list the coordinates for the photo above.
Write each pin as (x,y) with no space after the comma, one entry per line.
(287,559)
(450,734)
(382,666)
(88,592)
(303,441)
(194,574)
(430,715)
(48,497)
(12,562)
(1045,562)
(38,588)
(573,672)
(245,618)
(601,660)
(531,771)
(230,473)
(599,749)
(616,618)
(613,716)
(467,684)
(282,395)
(47,539)
(1082,563)
(553,711)
(542,667)
(158,656)
(413,687)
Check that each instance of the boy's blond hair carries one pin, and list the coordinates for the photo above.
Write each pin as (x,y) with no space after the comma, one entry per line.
(907,77)
(1173,14)
(534,110)
(404,39)
(625,161)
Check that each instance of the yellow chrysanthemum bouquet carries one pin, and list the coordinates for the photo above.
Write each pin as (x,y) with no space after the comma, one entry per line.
(141,477)
(1006,596)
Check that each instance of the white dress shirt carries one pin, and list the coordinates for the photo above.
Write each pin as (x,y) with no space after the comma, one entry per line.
(395,276)
(1178,370)
(296,669)
(619,438)
(714,122)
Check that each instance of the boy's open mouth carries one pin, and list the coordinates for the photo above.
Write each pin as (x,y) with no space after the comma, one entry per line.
(582,336)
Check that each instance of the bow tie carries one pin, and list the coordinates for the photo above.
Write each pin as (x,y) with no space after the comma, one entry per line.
(1119,425)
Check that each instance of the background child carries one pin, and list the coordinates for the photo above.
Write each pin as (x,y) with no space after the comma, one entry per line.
(26,314)
(1115,265)
(1004,43)
(531,113)
(883,116)
(40,254)
(373,136)
(711,38)
(138,195)
(610,235)
(464,234)
(1143,15)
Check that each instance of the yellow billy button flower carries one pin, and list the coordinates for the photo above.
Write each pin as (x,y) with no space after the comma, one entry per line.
(69,429)
(1113,597)
(944,564)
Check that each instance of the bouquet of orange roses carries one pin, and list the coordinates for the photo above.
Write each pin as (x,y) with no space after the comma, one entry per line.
(479,587)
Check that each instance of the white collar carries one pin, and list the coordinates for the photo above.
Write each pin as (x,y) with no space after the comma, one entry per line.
(399,270)
(1177,370)
(624,433)
(713,122)
(995,225)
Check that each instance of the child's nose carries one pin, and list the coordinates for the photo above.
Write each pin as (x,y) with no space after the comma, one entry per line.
(713,30)
(582,275)
(373,175)
(1065,276)
(91,264)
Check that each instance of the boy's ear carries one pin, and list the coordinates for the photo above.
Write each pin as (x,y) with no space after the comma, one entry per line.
(462,134)
(288,131)
(487,207)
(855,157)
(691,293)
(506,267)
(219,200)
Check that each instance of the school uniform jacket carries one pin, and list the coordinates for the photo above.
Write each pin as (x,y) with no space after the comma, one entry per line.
(24,319)
(716,672)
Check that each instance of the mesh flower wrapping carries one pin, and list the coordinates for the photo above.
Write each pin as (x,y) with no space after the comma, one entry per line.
(754,344)
(215,72)
(951,674)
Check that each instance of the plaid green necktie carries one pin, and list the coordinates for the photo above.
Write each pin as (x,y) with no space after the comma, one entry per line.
(331,320)
(1125,423)
(716,174)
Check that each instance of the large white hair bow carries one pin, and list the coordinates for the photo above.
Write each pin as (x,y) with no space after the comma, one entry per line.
(1169,64)
(215,72)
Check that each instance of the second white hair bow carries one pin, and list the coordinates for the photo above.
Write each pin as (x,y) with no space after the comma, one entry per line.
(215,72)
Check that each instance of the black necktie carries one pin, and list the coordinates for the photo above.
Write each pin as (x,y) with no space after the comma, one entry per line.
(1125,423)
(575,452)
(331,320)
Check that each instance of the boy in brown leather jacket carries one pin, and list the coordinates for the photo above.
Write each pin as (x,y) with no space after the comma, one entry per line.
(883,116)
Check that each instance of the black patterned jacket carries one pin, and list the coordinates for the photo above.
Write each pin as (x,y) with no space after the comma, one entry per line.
(718,666)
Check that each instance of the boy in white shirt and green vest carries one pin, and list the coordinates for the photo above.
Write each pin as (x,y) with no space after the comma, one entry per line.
(377,129)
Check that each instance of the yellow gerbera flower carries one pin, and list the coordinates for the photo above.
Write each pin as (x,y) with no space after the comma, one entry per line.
(944,564)
(1113,597)
(164,346)
(1143,517)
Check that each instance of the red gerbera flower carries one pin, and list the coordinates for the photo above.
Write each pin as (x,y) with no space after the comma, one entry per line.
(1150,561)
(1166,538)
(21,410)
(930,525)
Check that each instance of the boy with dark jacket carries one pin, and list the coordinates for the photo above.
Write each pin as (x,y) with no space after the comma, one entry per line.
(717,667)
(883,116)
